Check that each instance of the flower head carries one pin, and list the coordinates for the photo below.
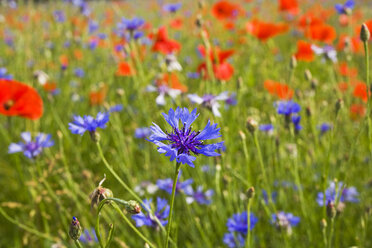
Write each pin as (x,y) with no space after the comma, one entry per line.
(183,142)
(162,212)
(142,132)
(198,195)
(287,107)
(267,128)
(88,123)
(210,101)
(172,7)
(167,184)
(31,148)
(131,24)
(328,52)
(332,193)
(324,127)
(233,240)
(345,8)
(285,220)
(238,223)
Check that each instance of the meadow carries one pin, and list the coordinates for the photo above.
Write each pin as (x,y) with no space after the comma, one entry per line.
(231,123)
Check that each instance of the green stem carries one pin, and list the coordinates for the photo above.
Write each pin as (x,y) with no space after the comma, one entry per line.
(366,52)
(178,165)
(331,233)
(77,244)
(248,242)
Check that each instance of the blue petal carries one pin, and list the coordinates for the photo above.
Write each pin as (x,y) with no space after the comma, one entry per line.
(209,132)
(26,136)
(209,150)
(75,129)
(188,118)
(339,8)
(349,4)
(167,149)
(172,117)
(14,147)
(186,159)
(157,133)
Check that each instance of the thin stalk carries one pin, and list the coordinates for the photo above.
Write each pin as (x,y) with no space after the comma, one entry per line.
(248,242)
(366,52)
(178,165)
(77,244)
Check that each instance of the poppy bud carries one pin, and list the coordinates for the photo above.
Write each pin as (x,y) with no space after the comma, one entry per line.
(308,75)
(75,229)
(100,193)
(251,125)
(133,207)
(331,210)
(364,33)
(250,192)
(293,62)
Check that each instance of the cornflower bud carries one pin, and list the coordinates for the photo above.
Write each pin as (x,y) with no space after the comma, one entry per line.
(251,125)
(100,193)
(250,192)
(75,229)
(133,207)
(331,210)
(364,33)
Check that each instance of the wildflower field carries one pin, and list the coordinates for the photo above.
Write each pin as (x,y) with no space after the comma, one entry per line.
(226,123)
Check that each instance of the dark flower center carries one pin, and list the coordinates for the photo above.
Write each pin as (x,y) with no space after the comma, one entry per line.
(8,104)
(184,140)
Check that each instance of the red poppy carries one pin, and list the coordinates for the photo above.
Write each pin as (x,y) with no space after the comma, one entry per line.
(304,51)
(171,80)
(50,87)
(225,10)
(290,6)
(18,99)
(163,44)
(357,111)
(265,30)
(279,89)
(98,97)
(355,43)
(360,91)
(124,69)
(323,32)
(176,23)
(347,71)
(343,86)
(63,60)
(221,69)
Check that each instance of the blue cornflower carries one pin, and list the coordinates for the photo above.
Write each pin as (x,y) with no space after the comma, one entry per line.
(347,195)
(238,223)
(89,236)
(296,122)
(88,123)
(193,75)
(167,184)
(30,148)
(324,127)
(265,196)
(92,26)
(345,8)
(59,16)
(79,72)
(285,220)
(172,7)
(162,212)
(116,108)
(4,75)
(287,107)
(182,142)
(199,196)
(142,132)
(268,128)
(233,240)
(131,25)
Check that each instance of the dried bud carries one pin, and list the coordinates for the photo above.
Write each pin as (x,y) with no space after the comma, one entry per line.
(133,207)
(250,192)
(251,125)
(314,83)
(331,210)
(338,105)
(199,21)
(308,75)
(75,229)
(364,33)
(293,62)
(100,193)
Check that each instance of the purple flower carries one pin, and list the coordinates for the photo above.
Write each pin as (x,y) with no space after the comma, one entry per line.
(59,16)
(266,197)
(88,123)
(296,122)
(233,240)
(167,185)
(4,75)
(199,196)
(131,25)
(142,132)
(172,7)
(92,26)
(162,212)
(285,220)
(30,148)
(193,75)
(116,108)
(79,72)
(347,195)
(210,101)
(287,107)
(239,223)
(231,100)
(163,91)
(345,8)
(268,128)
(324,127)
(89,236)
(183,142)
(328,52)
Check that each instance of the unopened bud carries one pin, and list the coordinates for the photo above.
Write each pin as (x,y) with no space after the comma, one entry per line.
(364,33)
(75,229)
(314,83)
(331,210)
(133,207)
(250,193)
(95,136)
(251,125)
(293,62)
(308,75)
(323,223)
(308,111)
(100,193)
(199,21)
(338,105)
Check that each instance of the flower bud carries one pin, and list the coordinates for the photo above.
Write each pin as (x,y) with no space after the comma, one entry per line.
(250,192)
(364,33)
(331,210)
(323,223)
(293,62)
(75,229)
(251,125)
(308,75)
(314,83)
(199,21)
(100,193)
(338,105)
(133,207)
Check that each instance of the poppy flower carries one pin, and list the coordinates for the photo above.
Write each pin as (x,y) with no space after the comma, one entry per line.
(278,89)
(18,99)
(357,111)
(290,6)
(360,91)
(225,10)
(163,44)
(355,43)
(347,71)
(304,51)
(176,23)
(98,97)
(265,30)
(64,61)
(343,86)
(323,32)
(171,80)
(50,87)
(124,69)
